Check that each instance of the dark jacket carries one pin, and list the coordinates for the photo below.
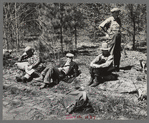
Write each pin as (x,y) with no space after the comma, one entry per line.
(73,70)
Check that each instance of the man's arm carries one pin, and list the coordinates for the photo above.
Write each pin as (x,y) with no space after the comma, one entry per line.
(75,70)
(37,61)
(108,62)
(60,64)
(93,63)
(22,57)
(102,25)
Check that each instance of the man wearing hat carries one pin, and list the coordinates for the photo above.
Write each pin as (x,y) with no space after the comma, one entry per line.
(55,74)
(102,65)
(111,27)
(28,62)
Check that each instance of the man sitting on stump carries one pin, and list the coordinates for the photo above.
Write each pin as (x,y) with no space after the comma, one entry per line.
(102,65)
(59,72)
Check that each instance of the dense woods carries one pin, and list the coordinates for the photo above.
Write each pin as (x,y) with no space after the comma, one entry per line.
(55,27)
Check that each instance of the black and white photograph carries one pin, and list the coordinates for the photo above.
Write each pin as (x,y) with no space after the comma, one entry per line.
(74,61)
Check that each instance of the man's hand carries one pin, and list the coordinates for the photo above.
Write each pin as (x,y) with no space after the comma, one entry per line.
(104,31)
(60,68)
(107,36)
(42,73)
(29,68)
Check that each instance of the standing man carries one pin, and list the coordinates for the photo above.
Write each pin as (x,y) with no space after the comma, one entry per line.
(111,27)
(102,65)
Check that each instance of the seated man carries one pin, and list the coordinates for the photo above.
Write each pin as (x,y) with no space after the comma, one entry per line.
(57,73)
(29,62)
(101,66)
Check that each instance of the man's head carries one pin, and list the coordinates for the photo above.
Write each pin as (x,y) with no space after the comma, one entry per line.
(69,56)
(28,51)
(115,12)
(105,49)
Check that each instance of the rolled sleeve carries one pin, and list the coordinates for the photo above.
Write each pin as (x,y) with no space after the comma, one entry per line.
(95,60)
(108,20)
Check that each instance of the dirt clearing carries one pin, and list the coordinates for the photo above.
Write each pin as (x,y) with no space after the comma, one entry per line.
(110,100)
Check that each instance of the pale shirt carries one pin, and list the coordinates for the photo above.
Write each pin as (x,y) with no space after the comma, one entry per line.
(114,26)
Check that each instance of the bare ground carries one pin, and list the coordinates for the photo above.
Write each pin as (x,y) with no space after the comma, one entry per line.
(111,100)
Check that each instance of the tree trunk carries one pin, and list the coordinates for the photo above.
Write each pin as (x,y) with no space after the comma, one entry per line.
(75,38)
(61,30)
(134,30)
(95,33)
(17,41)
(5,40)
(7,30)
(134,25)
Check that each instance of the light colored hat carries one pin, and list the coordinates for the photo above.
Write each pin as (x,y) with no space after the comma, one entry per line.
(27,49)
(104,46)
(70,55)
(115,10)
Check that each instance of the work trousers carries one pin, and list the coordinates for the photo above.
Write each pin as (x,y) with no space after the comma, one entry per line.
(53,73)
(100,71)
(115,49)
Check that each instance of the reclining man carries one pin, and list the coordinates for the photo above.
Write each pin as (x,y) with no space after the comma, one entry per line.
(102,65)
(29,62)
(57,73)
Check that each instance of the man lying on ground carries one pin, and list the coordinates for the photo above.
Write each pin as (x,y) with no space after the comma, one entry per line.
(57,73)
(28,62)
(102,65)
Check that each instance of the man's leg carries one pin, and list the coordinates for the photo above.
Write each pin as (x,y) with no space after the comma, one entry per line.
(21,67)
(117,61)
(43,74)
(47,77)
(117,51)
(57,75)
(28,74)
(97,76)
(92,76)
(51,74)
(98,79)
(108,70)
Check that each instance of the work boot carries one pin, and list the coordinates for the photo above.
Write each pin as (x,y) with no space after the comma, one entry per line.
(24,79)
(95,82)
(116,68)
(43,85)
(39,78)
(18,79)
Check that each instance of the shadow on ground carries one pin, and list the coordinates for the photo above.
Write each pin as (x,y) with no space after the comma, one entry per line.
(127,67)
